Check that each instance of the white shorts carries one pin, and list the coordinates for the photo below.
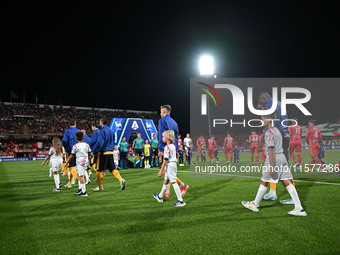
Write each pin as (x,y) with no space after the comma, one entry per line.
(81,170)
(171,172)
(116,162)
(281,170)
(55,164)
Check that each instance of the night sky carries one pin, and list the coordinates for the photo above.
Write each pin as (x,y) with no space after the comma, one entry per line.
(140,56)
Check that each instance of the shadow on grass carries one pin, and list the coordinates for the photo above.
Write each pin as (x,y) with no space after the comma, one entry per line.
(303,190)
(199,191)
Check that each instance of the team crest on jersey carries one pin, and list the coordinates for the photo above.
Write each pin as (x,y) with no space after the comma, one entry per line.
(134,125)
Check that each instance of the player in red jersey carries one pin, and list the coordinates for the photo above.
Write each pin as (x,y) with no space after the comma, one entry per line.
(313,137)
(228,147)
(263,149)
(200,142)
(211,148)
(179,140)
(295,132)
(254,140)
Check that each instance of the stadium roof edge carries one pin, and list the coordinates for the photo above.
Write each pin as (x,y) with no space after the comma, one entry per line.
(79,107)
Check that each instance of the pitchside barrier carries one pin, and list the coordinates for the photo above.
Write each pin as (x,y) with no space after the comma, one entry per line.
(327,147)
(21,159)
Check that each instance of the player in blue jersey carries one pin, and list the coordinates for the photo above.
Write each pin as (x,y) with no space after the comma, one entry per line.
(181,155)
(105,156)
(95,145)
(68,141)
(86,138)
(322,153)
(236,155)
(164,124)
(216,155)
(188,155)
(203,154)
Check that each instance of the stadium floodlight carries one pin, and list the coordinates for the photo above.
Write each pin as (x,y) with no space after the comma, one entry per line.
(206,65)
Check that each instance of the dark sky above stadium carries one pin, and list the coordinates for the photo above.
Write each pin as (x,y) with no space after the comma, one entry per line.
(140,55)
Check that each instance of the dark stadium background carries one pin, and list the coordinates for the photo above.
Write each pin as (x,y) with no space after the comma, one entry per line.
(141,55)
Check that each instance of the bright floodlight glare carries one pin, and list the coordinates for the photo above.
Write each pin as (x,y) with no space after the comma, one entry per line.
(206,65)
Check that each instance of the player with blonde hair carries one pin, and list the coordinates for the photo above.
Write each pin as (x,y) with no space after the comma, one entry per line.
(169,169)
(55,156)
(164,124)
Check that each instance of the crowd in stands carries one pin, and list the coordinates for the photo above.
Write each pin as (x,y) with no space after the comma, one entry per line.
(34,119)
(17,118)
(10,145)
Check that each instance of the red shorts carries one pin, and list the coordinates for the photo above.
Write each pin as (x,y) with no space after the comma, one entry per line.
(228,150)
(314,150)
(295,146)
(253,148)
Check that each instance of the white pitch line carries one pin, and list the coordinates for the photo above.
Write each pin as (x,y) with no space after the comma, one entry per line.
(254,177)
(328,183)
(230,175)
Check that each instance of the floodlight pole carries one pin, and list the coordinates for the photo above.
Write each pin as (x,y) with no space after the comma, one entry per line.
(208,109)
(209,117)
(207,80)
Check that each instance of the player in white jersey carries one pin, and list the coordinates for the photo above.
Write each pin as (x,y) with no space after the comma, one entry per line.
(187,142)
(81,151)
(169,169)
(275,169)
(55,155)
(116,156)
(187,146)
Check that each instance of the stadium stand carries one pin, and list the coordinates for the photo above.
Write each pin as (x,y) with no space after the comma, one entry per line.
(17,118)
(22,125)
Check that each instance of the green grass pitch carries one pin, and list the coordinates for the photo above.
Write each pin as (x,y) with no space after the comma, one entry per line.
(35,220)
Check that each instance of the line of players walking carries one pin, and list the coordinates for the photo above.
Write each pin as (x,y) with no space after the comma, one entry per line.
(101,151)
(77,153)
(257,146)
(143,149)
